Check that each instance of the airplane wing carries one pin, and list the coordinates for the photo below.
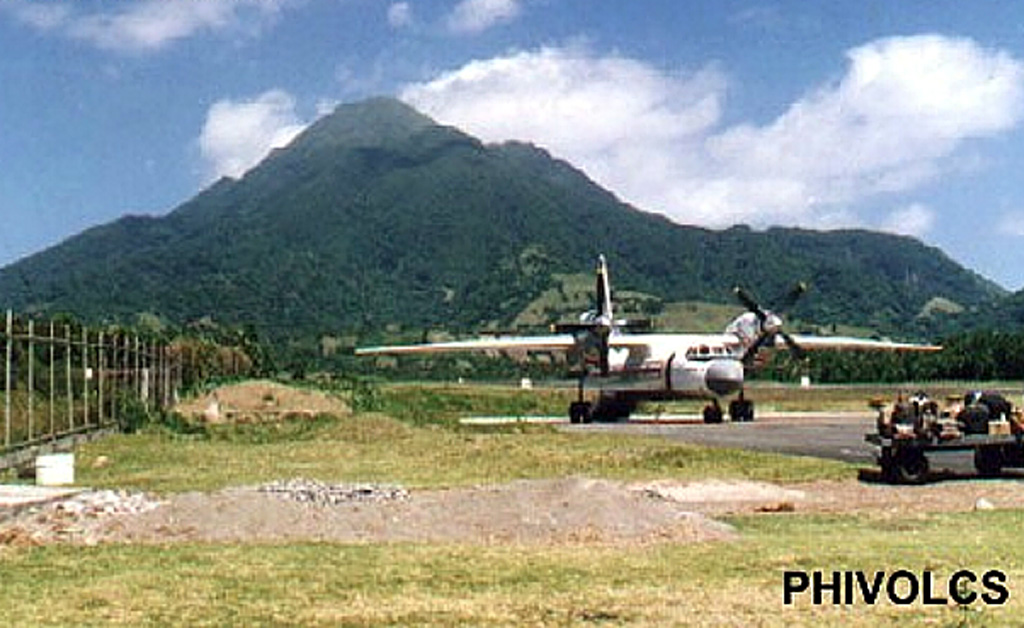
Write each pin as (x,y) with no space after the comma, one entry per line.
(812,343)
(554,342)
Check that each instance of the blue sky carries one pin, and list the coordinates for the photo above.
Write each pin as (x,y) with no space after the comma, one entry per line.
(898,116)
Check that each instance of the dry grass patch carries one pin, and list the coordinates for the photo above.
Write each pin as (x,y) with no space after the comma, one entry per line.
(725,583)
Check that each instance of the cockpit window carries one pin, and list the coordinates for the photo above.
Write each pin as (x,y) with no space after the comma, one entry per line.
(706,352)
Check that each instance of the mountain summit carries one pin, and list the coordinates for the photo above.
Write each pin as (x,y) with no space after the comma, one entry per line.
(375,216)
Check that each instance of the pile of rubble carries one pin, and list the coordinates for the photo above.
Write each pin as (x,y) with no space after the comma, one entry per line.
(78,518)
(316,492)
(95,504)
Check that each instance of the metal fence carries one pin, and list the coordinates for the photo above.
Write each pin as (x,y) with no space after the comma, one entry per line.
(61,380)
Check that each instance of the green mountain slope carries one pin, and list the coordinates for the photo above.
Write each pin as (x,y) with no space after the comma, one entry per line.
(376,216)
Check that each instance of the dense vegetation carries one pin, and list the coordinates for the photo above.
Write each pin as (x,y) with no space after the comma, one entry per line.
(377,224)
(973,356)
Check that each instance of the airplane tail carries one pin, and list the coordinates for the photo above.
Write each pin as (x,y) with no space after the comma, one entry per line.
(596,325)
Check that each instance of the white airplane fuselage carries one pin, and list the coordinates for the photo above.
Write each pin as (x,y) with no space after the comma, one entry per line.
(670,366)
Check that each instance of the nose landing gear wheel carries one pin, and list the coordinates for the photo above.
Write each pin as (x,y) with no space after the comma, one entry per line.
(741,410)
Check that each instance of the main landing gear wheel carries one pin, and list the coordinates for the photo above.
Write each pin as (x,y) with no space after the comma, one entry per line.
(579,412)
(713,413)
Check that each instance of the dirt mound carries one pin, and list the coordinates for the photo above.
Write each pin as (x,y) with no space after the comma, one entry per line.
(557,511)
(572,510)
(260,400)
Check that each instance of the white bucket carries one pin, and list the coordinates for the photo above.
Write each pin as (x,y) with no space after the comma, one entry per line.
(55,469)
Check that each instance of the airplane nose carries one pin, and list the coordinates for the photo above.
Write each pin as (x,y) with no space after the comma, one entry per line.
(724,376)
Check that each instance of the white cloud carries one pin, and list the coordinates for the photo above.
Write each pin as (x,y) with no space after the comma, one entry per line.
(400,15)
(904,105)
(891,124)
(624,122)
(475,16)
(238,134)
(144,25)
(913,220)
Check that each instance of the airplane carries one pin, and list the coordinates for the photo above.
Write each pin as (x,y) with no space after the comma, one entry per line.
(627,367)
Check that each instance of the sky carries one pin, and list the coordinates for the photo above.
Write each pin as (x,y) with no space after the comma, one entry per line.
(905,117)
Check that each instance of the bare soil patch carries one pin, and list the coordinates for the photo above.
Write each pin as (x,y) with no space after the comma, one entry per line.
(560,511)
(718,498)
(546,511)
(258,401)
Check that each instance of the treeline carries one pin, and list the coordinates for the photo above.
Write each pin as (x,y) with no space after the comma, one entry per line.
(981,355)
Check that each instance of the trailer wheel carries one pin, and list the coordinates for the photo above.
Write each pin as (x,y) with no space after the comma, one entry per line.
(911,466)
(988,461)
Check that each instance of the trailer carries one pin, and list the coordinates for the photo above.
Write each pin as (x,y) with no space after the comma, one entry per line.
(913,427)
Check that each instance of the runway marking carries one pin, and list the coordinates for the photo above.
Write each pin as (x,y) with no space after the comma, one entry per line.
(665,419)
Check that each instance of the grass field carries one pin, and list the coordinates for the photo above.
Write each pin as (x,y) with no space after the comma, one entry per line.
(413,439)
(730,583)
(377,448)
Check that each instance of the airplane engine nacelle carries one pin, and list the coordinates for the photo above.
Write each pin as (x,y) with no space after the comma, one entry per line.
(711,377)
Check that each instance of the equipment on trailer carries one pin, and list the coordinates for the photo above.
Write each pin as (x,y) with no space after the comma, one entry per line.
(985,422)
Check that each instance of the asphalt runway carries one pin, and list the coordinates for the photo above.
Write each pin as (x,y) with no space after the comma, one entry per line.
(838,437)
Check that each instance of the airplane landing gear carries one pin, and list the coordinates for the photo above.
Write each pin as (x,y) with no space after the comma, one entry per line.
(741,410)
(713,412)
(609,407)
(580,412)
(606,410)
(612,408)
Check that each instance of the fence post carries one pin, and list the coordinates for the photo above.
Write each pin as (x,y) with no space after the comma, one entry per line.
(31,378)
(7,380)
(117,378)
(165,380)
(70,390)
(136,375)
(100,364)
(53,381)
(147,384)
(128,385)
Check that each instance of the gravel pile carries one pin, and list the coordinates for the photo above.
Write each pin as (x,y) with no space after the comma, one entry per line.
(316,492)
(94,504)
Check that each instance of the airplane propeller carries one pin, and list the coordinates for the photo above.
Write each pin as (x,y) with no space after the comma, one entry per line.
(770,324)
(594,336)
